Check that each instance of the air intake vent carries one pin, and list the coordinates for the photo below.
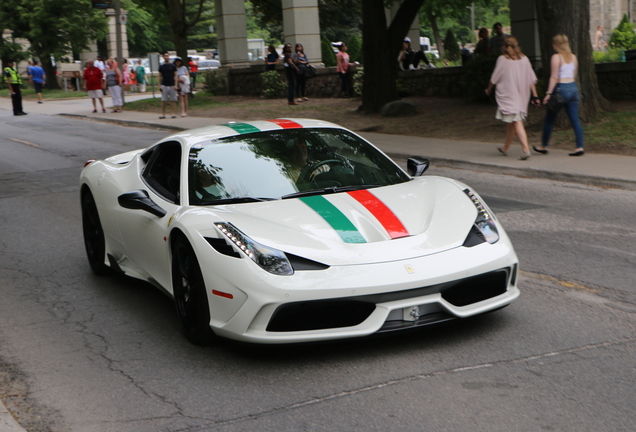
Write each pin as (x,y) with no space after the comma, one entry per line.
(222,247)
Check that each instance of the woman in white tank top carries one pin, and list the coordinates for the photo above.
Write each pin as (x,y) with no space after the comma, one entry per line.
(563,70)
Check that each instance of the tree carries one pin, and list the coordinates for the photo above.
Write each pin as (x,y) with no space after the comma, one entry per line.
(328,56)
(142,31)
(383,42)
(354,49)
(572,18)
(451,49)
(54,28)
(182,15)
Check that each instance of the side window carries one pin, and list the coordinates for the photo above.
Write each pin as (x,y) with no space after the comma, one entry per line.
(163,171)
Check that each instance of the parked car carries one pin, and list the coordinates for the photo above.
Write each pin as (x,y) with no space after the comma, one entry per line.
(205,65)
(293,230)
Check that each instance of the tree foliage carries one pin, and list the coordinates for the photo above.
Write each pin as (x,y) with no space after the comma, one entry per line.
(451,49)
(328,56)
(55,29)
(354,49)
(623,36)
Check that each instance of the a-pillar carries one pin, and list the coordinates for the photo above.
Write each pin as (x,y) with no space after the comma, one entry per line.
(232,32)
(301,25)
(414,31)
(524,24)
(111,37)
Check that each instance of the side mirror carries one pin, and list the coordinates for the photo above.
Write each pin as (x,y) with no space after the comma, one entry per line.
(139,200)
(416,165)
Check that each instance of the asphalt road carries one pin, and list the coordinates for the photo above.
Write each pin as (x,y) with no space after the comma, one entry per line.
(82,353)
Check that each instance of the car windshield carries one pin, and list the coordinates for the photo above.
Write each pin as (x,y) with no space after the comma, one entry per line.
(283,164)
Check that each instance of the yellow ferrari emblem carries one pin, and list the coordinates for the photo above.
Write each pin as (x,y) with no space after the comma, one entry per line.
(170,220)
(409,269)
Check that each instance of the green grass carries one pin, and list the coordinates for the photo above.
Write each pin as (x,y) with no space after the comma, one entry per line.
(615,129)
(29,93)
(202,100)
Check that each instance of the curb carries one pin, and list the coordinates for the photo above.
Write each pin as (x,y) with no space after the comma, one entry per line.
(603,182)
(7,422)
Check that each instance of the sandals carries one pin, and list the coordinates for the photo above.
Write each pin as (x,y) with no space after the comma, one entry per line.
(525,156)
(502,151)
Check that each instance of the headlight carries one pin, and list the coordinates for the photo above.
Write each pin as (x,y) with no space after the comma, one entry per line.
(271,260)
(485,222)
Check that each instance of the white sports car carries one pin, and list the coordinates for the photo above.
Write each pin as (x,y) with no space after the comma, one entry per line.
(293,230)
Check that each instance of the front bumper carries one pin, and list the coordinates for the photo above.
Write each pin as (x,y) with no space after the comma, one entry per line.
(360,300)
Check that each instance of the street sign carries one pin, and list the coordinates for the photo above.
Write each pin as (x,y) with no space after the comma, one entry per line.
(101,4)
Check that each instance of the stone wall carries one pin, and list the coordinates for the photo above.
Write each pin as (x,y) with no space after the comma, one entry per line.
(616,81)
(247,81)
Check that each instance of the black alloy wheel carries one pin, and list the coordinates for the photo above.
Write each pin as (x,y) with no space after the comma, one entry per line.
(190,295)
(93,235)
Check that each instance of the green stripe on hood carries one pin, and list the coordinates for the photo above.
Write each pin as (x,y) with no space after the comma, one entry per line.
(334,217)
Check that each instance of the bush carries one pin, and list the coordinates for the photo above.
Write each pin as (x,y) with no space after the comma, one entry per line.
(354,48)
(215,82)
(357,81)
(272,85)
(328,56)
(452,51)
(476,75)
(611,55)
(623,36)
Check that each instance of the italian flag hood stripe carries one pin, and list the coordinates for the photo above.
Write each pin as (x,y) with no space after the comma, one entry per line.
(345,228)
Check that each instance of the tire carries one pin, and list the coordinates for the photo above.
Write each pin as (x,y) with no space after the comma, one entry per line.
(94,240)
(190,295)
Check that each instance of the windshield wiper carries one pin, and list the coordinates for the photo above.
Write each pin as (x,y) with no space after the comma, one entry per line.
(237,200)
(329,190)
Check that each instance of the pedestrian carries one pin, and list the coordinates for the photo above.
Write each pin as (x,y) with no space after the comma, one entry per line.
(194,70)
(342,67)
(93,84)
(272,58)
(497,39)
(14,82)
(291,71)
(599,39)
(126,72)
(99,64)
(113,82)
(301,63)
(183,79)
(563,71)
(37,76)
(482,47)
(515,81)
(169,85)
(132,78)
(141,77)
(409,59)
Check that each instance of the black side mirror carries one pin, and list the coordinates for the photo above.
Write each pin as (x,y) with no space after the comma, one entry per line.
(139,200)
(416,165)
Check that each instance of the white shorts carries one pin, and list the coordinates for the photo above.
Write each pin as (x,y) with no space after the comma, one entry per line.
(509,118)
(168,94)
(95,94)
(185,88)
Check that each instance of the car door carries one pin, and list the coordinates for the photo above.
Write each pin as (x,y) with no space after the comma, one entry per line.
(144,234)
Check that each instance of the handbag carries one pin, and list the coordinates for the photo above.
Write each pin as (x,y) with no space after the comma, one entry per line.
(310,71)
(555,103)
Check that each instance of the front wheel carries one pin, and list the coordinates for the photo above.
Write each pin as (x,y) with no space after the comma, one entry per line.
(190,295)
(94,241)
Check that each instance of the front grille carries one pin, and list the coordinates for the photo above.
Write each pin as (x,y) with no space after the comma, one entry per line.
(320,314)
(476,288)
(351,311)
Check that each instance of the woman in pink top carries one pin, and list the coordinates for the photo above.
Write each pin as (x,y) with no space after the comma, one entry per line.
(342,67)
(515,81)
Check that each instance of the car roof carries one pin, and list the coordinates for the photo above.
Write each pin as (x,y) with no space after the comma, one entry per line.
(194,136)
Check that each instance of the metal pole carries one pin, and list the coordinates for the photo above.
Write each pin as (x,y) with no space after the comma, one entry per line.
(120,57)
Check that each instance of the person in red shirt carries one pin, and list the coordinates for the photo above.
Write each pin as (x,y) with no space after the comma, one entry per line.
(194,68)
(93,84)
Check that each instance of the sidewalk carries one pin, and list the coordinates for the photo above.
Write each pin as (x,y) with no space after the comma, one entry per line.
(602,170)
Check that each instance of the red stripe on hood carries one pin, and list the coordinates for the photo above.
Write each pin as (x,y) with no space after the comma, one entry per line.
(286,124)
(382,213)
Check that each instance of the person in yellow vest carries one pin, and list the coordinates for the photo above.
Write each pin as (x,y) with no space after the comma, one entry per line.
(12,77)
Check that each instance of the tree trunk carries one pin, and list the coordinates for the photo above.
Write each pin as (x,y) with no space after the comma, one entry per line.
(572,18)
(381,45)
(438,38)
(378,87)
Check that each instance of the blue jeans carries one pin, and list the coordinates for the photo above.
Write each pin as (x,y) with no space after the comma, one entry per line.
(570,94)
